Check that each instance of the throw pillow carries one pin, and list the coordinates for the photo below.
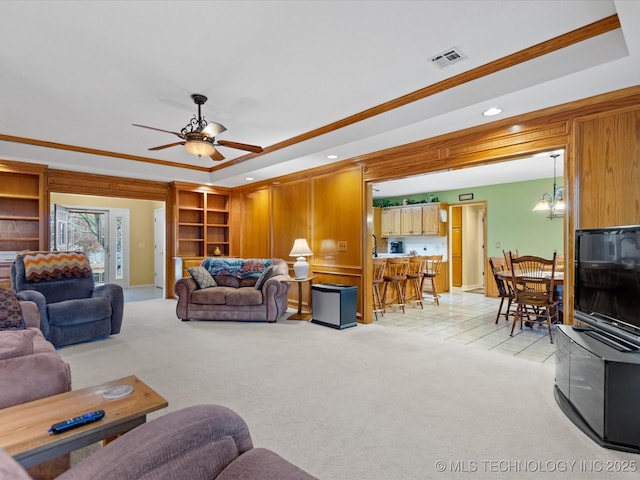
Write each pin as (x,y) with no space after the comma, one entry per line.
(16,343)
(266,274)
(10,311)
(202,277)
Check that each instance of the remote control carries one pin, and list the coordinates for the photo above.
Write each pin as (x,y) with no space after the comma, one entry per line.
(76,421)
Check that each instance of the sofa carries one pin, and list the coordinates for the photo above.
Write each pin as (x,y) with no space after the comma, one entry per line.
(203,442)
(234,289)
(72,308)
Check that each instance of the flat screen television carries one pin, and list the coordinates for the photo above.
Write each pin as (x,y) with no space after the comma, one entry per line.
(607,283)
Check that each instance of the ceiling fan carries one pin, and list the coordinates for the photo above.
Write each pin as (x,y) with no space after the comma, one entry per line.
(199,136)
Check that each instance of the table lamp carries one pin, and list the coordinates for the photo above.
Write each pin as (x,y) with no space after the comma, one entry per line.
(300,250)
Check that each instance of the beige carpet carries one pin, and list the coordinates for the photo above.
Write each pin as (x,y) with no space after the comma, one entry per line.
(368,402)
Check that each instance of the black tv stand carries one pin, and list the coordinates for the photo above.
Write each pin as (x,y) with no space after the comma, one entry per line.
(597,387)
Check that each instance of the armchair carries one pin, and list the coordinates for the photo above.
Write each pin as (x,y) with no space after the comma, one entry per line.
(72,308)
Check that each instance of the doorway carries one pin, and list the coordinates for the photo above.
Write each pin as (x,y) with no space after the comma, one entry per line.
(101,233)
(467,240)
(137,264)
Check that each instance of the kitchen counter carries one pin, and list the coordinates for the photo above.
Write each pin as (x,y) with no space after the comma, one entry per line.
(399,255)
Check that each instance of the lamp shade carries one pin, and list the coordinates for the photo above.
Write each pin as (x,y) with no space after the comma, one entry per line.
(300,250)
(543,203)
(199,148)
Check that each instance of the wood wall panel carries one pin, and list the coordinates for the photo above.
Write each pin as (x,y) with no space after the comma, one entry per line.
(256,225)
(608,168)
(337,201)
(62,181)
(291,216)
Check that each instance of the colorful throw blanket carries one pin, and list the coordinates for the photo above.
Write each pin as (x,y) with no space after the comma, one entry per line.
(236,267)
(49,265)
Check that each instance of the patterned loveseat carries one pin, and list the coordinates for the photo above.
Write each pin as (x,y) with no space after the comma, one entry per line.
(243,290)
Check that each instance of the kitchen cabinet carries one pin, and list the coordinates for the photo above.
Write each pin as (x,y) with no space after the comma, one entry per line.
(411,221)
(377,229)
(434,219)
(390,219)
(416,220)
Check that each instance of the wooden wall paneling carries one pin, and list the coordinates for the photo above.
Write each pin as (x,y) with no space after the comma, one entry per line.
(235,223)
(291,218)
(339,220)
(608,155)
(62,181)
(256,224)
(338,216)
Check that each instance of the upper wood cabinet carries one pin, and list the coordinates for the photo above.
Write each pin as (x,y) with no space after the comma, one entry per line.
(434,219)
(202,221)
(415,220)
(390,219)
(411,221)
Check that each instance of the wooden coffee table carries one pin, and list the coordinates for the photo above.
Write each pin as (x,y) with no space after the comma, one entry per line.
(24,434)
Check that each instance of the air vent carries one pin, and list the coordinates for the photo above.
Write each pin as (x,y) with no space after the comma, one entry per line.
(448,57)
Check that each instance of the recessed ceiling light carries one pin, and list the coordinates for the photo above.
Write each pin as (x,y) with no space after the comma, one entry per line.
(492,111)
(332,157)
(249,178)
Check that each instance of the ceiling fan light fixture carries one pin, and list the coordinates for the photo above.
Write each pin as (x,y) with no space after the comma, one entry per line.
(199,148)
(213,129)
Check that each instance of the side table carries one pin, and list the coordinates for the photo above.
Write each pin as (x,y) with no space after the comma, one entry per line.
(299,315)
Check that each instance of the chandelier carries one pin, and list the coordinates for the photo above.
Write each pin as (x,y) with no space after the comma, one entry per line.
(552,202)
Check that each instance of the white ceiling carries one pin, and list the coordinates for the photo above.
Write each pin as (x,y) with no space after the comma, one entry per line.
(80,73)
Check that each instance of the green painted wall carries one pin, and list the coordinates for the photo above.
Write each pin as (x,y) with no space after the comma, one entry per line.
(510,221)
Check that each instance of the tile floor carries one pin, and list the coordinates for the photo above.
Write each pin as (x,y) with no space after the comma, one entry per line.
(469,318)
(136,294)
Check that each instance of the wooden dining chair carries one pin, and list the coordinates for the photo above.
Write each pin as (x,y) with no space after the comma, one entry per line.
(395,279)
(533,281)
(415,277)
(379,269)
(499,269)
(431,271)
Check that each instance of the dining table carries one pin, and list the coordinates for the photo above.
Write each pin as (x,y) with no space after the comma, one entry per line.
(558,277)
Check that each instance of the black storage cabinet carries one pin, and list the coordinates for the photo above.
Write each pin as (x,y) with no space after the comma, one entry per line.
(334,305)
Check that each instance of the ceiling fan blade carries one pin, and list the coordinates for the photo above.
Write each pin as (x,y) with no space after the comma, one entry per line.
(161,147)
(240,146)
(213,129)
(179,135)
(216,155)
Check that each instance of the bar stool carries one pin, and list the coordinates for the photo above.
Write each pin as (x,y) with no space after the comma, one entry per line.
(379,269)
(396,276)
(431,271)
(415,277)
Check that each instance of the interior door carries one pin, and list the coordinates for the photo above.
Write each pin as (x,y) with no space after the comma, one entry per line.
(456,246)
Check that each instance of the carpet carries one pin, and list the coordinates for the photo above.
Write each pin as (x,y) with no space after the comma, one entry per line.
(368,402)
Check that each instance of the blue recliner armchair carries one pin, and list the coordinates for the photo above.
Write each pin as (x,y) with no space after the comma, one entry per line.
(72,309)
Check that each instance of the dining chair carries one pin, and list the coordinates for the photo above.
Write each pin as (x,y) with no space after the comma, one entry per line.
(533,281)
(431,271)
(507,258)
(415,278)
(379,269)
(396,278)
(505,291)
